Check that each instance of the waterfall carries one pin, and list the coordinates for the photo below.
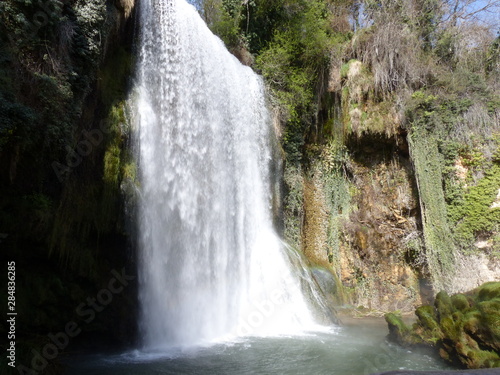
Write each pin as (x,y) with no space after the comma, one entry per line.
(211,265)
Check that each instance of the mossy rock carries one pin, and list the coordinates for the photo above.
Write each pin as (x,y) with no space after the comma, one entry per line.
(399,332)
(443,305)
(488,291)
(464,328)
(472,321)
(427,318)
(460,302)
(490,322)
(452,327)
(482,359)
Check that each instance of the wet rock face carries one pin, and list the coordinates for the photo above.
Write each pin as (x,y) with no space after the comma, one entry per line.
(463,328)
(376,259)
(315,233)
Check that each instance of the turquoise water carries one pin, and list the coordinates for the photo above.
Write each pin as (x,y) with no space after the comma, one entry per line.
(349,350)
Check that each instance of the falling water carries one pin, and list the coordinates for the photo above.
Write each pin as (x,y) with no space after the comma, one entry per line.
(211,265)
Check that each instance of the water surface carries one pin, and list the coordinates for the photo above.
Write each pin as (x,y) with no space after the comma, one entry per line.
(349,350)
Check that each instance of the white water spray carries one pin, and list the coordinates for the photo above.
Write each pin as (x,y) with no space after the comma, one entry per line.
(211,264)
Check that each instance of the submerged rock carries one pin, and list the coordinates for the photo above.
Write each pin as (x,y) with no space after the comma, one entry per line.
(464,328)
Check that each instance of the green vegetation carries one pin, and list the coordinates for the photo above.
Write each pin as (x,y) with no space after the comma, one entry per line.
(51,59)
(292,63)
(475,213)
(293,205)
(340,76)
(292,42)
(418,76)
(355,86)
(64,69)
(50,54)
(462,130)
(437,235)
(463,328)
(337,196)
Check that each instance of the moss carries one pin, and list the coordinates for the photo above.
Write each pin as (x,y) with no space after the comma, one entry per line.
(129,171)
(490,321)
(445,145)
(465,329)
(95,209)
(396,325)
(112,166)
(443,305)
(488,291)
(472,321)
(474,213)
(293,204)
(482,359)
(399,332)
(438,239)
(460,302)
(428,321)
(451,326)
(113,77)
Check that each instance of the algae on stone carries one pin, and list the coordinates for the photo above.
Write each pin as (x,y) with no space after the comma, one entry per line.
(463,328)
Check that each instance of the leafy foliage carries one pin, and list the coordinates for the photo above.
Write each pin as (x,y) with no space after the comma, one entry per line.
(475,213)
(343,69)
(50,53)
(292,64)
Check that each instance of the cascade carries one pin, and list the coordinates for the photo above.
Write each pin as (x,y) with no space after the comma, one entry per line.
(211,265)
